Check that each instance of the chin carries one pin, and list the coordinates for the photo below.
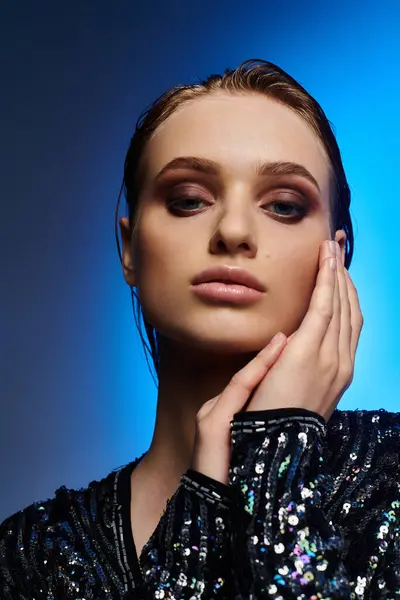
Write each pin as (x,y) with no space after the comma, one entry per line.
(224,347)
(227,341)
(219,332)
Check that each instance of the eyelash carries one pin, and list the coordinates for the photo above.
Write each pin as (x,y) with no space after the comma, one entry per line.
(302,210)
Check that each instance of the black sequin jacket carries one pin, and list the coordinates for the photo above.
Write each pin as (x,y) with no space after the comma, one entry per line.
(311,512)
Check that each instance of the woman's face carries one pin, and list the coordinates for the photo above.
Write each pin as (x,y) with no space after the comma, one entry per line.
(194,219)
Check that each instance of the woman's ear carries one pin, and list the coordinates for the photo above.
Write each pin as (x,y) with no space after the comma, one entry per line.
(127,252)
(340,238)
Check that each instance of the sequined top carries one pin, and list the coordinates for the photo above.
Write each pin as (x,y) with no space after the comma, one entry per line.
(311,512)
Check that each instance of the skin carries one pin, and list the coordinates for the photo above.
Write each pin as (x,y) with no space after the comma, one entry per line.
(234,222)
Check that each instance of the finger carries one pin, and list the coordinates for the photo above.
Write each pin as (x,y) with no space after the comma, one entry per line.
(207,407)
(313,328)
(243,383)
(357,319)
(326,250)
(345,320)
(330,343)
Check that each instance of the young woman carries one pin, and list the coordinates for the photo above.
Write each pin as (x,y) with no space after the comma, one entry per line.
(255,485)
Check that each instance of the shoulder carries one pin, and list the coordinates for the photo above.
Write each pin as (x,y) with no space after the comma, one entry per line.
(53,511)
(44,534)
(380,422)
(372,436)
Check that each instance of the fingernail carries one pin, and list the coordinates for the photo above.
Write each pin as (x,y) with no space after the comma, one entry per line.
(333,263)
(277,338)
(332,246)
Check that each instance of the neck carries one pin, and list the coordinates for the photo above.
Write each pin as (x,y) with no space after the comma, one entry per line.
(187,379)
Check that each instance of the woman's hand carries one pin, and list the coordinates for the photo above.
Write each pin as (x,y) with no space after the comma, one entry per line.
(212,445)
(317,365)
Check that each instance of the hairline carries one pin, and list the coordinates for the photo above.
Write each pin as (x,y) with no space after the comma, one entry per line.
(200,92)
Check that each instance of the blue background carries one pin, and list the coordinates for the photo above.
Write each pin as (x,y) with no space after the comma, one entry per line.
(76,396)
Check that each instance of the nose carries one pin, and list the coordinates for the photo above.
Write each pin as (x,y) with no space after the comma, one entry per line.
(235,231)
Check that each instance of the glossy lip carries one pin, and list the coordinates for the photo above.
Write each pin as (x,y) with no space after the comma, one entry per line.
(228,275)
(216,292)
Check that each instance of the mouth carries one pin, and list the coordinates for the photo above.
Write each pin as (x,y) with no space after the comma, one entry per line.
(227,282)
(229,276)
(227,292)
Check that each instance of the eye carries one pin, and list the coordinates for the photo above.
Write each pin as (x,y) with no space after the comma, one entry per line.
(288,210)
(190,204)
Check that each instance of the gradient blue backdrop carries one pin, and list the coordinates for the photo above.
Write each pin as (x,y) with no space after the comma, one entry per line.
(77,399)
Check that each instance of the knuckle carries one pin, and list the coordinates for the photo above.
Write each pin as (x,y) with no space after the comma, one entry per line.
(346,372)
(201,414)
(324,310)
(301,356)
(204,425)
(329,364)
(326,313)
(205,408)
(238,381)
(210,431)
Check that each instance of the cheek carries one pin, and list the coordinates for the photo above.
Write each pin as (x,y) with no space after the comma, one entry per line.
(162,265)
(160,254)
(292,286)
(167,247)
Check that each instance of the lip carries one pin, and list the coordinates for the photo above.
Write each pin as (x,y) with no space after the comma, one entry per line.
(229,275)
(217,292)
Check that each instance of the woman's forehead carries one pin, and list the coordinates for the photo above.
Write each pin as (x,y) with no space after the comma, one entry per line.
(238,132)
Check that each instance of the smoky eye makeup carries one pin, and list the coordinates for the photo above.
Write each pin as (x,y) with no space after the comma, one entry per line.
(189,190)
(175,184)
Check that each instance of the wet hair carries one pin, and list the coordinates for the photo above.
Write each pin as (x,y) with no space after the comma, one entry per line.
(252,76)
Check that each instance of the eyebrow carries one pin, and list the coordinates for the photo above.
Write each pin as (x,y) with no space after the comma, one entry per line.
(210,167)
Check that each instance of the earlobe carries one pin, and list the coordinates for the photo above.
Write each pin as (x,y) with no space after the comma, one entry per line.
(127,252)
